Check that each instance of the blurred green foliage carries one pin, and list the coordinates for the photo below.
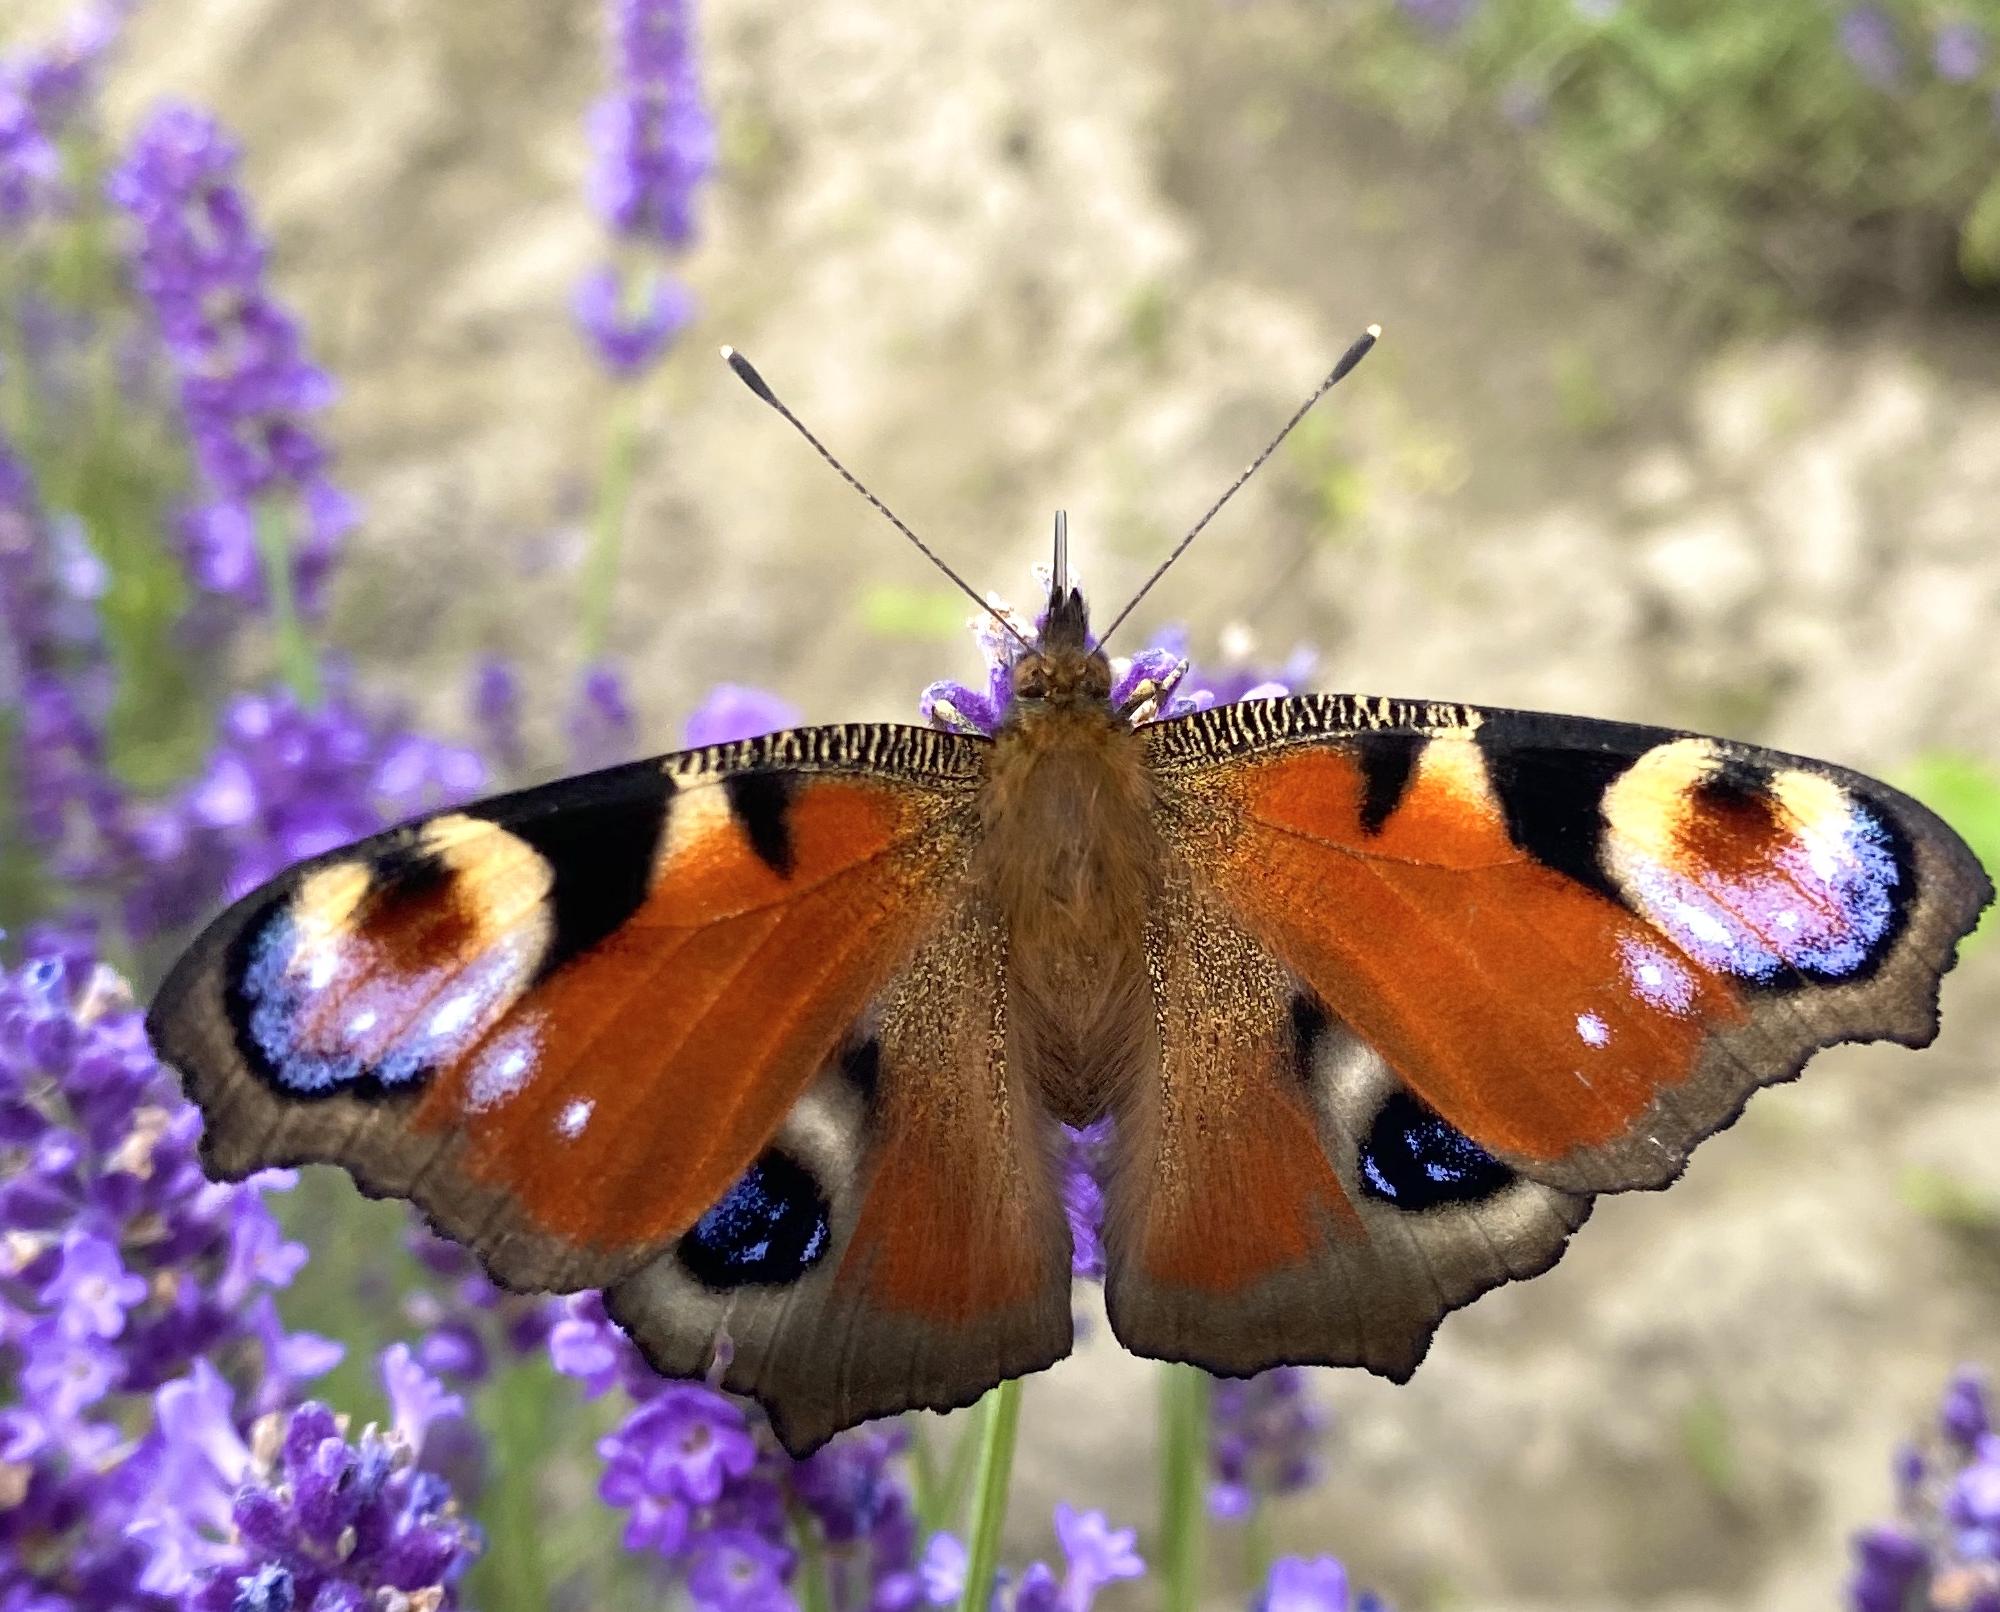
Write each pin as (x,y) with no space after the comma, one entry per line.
(1780,151)
(1965,792)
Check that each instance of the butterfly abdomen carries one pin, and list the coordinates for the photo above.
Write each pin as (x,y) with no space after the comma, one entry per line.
(1071,860)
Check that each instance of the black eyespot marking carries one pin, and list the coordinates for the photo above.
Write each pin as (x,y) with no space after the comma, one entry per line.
(1309,1022)
(759,801)
(1387,762)
(407,870)
(861,1066)
(600,852)
(1414,1159)
(769,1229)
(1553,799)
(1735,786)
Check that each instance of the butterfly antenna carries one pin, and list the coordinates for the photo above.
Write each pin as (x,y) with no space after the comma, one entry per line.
(746,373)
(1335,376)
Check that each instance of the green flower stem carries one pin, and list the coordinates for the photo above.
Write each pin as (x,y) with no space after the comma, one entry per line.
(513,1574)
(1183,1489)
(814,1593)
(614,494)
(1257,1547)
(296,659)
(999,1421)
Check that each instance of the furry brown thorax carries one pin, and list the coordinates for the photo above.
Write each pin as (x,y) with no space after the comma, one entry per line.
(1070,859)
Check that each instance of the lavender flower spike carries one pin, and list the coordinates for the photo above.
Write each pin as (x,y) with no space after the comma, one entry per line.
(122,1269)
(247,389)
(654,140)
(310,1518)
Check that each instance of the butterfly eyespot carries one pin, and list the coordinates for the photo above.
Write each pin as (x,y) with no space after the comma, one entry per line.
(1415,1159)
(770,1228)
(1752,873)
(373,973)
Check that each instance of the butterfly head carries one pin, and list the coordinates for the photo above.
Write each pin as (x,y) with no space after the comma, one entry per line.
(1063,666)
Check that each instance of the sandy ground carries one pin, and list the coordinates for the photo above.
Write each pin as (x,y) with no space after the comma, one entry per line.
(1023,254)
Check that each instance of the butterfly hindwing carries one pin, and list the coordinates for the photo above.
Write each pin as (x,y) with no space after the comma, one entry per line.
(939,1250)
(1259,1210)
(1537,957)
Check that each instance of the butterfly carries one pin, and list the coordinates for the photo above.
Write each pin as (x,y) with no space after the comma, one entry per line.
(773,1040)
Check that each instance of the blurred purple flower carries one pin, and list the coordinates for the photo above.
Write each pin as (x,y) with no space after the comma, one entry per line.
(1265,1434)
(281,784)
(122,1269)
(653,137)
(601,726)
(247,388)
(1942,1552)
(630,327)
(732,711)
(699,1476)
(1295,1584)
(299,1516)
(1086,1152)
(496,712)
(44,94)
(1868,36)
(55,672)
(1094,1554)
(654,144)
(1960,51)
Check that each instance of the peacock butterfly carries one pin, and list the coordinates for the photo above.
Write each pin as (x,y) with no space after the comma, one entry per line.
(771,1039)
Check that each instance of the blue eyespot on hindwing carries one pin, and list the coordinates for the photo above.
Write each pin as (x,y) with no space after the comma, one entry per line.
(1413,1158)
(769,1229)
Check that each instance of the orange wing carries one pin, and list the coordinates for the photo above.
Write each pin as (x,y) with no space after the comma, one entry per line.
(711,1030)
(1540,958)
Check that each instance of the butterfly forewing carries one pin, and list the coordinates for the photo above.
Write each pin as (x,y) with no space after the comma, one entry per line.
(611,1031)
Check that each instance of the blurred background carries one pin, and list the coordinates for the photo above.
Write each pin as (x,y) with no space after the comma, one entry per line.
(1687,411)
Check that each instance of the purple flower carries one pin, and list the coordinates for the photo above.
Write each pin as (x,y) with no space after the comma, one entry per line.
(1868,36)
(1959,51)
(1097,1554)
(283,783)
(43,95)
(1094,1554)
(247,388)
(1319,1585)
(601,725)
(1265,1434)
(91,1289)
(738,1570)
(1942,1553)
(55,671)
(1889,1563)
(1086,1152)
(122,1270)
(496,712)
(301,1516)
(1966,1415)
(733,712)
(653,137)
(630,327)
(943,1569)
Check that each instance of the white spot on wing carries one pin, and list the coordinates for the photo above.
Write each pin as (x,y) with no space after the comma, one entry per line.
(1594,1031)
(575,1115)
